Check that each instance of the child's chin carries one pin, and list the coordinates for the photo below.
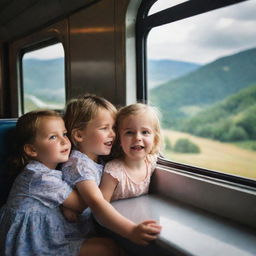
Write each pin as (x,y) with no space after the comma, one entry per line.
(65,159)
(105,153)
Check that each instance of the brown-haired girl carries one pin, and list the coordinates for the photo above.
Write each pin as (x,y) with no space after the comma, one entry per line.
(31,222)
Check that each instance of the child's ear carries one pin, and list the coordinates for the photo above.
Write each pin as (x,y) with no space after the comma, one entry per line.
(30,150)
(77,135)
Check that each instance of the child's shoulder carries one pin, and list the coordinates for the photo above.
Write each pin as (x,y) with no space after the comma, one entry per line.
(114,166)
(75,158)
(115,169)
(114,163)
(35,169)
(38,172)
(152,159)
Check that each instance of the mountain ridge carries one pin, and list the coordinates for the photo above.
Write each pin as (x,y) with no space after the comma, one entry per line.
(205,86)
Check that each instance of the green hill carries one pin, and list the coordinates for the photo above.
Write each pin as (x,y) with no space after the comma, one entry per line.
(181,98)
(233,119)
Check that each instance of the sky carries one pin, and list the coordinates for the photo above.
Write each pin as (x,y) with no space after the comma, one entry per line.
(199,39)
(206,37)
(50,52)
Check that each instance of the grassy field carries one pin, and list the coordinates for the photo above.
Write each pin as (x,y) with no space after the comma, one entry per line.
(215,155)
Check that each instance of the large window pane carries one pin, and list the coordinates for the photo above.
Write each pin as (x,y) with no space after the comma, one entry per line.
(44,78)
(202,76)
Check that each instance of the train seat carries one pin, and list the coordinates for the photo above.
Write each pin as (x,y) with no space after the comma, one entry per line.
(7,127)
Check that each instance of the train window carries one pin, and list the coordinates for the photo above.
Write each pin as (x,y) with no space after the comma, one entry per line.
(201,75)
(43,78)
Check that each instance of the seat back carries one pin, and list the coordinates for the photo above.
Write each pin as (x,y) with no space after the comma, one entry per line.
(7,127)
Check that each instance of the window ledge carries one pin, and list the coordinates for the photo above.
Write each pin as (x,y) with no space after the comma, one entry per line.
(188,230)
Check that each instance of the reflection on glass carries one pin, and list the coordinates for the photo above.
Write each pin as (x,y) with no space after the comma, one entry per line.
(44,78)
(201,75)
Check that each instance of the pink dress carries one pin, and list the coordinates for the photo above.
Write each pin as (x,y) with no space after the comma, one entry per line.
(127,187)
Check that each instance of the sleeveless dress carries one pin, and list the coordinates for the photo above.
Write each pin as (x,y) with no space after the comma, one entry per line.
(126,186)
(31,222)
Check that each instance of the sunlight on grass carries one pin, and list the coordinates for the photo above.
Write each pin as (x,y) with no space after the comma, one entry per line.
(215,155)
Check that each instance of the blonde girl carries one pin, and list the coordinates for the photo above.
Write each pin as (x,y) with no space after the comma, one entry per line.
(90,123)
(31,222)
(137,147)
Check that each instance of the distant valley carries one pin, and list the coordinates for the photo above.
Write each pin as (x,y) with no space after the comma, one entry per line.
(216,100)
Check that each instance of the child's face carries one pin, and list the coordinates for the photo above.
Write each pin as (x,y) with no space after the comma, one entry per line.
(51,145)
(137,136)
(98,136)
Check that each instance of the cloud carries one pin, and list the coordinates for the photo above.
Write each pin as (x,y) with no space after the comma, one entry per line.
(203,38)
(45,53)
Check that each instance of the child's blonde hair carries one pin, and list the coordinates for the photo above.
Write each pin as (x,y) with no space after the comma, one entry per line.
(79,112)
(26,131)
(135,109)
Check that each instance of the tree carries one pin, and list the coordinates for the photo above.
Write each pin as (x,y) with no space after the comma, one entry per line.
(186,146)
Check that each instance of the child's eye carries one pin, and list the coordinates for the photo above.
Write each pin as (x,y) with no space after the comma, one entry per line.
(145,132)
(65,134)
(53,137)
(103,128)
(129,132)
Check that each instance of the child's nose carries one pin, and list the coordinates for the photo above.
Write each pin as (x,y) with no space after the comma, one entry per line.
(64,140)
(112,133)
(138,136)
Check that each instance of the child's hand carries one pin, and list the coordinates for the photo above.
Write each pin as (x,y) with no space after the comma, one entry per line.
(145,232)
(69,214)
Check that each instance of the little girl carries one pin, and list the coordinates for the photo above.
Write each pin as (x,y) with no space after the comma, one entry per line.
(31,222)
(137,147)
(90,121)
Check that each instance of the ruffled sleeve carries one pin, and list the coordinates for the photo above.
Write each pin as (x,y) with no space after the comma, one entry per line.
(49,188)
(114,168)
(80,168)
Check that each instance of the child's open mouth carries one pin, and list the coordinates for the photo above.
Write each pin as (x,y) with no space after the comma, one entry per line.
(65,150)
(137,147)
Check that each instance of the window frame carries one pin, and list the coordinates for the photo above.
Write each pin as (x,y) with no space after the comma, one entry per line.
(143,26)
(56,33)
(34,47)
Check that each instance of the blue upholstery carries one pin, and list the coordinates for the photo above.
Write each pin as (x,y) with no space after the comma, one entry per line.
(7,127)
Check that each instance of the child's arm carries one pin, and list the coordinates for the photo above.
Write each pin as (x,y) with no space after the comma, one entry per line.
(70,215)
(110,218)
(75,202)
(107,186)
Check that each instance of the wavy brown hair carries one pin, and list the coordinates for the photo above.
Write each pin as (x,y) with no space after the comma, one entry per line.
(79,112)
(25,133)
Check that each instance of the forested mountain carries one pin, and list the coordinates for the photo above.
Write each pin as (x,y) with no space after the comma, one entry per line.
(183,97)
(40,75)
(217,100)
(233,119)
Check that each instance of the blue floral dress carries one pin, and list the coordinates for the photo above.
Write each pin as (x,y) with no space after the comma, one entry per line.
(31,222)
(78,168)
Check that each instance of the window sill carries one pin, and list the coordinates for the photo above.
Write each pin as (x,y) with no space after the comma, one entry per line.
(187,230)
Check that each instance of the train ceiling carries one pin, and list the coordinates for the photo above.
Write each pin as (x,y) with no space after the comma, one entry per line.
(19,17)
